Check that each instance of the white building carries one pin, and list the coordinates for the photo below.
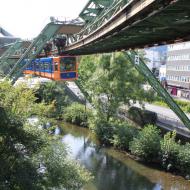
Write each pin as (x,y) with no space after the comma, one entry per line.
(162,72)
(178,69)
(153,58)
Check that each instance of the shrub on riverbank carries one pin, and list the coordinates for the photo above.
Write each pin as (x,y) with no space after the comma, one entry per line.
(183,159)
(175,157)
(113,132)
(147,143)
(123,135)
(103,129)
(77,114)
(169,151)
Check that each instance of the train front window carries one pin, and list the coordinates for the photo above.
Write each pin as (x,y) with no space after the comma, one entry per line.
(67,64)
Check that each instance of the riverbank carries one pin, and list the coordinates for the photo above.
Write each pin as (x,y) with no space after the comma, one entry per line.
(145,144)
(114,169)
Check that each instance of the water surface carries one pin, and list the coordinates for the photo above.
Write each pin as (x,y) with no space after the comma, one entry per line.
(114,170)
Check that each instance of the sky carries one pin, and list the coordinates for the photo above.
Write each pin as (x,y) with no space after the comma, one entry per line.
(26,18)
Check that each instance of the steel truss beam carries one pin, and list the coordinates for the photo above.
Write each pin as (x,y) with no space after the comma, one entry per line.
(93,9)
(10,51)
(145,71)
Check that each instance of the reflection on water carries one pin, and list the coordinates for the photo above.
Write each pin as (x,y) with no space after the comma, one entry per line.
(113,170)
(57,131)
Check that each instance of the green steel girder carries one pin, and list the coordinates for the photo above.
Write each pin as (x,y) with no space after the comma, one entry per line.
(94,11)
(5,61)
(145,71)
(162,27)
(104,3)
(10,51)
(101,18)
(95,8)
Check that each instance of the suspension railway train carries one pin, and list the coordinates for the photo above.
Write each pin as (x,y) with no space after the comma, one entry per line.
(55,68)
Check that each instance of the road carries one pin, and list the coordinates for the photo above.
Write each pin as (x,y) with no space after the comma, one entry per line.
(167,119)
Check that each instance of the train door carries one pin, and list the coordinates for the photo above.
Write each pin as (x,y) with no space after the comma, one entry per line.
(56,69)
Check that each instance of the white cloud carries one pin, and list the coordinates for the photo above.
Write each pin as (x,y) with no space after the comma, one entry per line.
(26,18)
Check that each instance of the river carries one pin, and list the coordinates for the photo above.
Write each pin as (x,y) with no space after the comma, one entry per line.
(114,170)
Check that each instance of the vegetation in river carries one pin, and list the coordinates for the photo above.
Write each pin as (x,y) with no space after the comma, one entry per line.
(30,157)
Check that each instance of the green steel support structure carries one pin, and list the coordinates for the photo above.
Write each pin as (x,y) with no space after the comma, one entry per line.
(10,51)
(33,50)
(145,71)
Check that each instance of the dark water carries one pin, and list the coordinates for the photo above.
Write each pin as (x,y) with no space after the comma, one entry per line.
(113,170)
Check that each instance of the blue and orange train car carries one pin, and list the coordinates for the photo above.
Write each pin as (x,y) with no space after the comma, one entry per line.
(55,68)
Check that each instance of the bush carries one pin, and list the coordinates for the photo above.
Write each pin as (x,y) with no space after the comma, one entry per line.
(77,114)
(183,159)
(103,129)
(174,155)
(169,151)
(142,117)
(147,143)
(123,135)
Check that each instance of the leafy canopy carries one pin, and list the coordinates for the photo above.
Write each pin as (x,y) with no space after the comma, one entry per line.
(30,157)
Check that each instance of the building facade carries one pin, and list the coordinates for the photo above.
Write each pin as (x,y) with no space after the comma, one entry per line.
(178,69)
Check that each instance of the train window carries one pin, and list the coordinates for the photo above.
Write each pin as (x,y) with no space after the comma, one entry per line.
(40,66)
(56,66)
(68,64)
(46,66)
(37,66)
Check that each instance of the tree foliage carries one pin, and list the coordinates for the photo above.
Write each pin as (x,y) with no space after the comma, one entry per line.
(30,157)
(112,82)
(147,144)
(77,114)
(54,92)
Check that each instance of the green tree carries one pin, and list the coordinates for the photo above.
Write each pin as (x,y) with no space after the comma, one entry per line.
(30,157)
(113,82)
(54,92)
(87,67)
